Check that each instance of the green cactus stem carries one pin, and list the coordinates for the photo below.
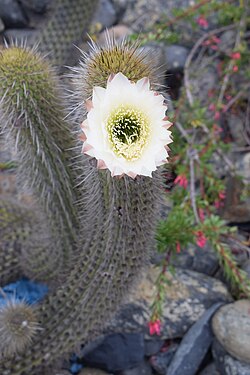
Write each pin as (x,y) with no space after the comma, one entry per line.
(26,244)
(34,125)
(69,20)
(114,243)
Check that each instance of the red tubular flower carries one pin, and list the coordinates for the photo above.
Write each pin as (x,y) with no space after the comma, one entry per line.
(202,21)
(235,55)
(200,238)
(155,327)
(178,247)
(181,180)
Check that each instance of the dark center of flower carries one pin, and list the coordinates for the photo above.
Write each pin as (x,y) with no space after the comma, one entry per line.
(127,131)
(126,127)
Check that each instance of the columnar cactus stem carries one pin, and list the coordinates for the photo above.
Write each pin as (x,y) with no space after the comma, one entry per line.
(34,124)
(65,27)
(125,215)
(26,244)
(116,234)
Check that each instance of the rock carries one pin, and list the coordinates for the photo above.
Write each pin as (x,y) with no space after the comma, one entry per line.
(204,78)
(21,34)
(231,326)
(12,14)
(119,32)
(1,25)
(38,6)
(105,15)
(161,361)
(227,40)
(152,347)
(194,346)
(243,166)
(142,15)
(226,364)
(175,57)
(187,297)
(235,210)
(143,369)
(117,352)
(210,370)
(237,128)
(196,259)
(92,371)
(246,267)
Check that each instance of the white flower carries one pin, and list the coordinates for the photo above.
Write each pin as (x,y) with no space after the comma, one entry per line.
(126,127)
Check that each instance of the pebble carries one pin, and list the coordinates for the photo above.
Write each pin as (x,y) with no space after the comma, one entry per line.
(92,371)
(143,369)
(38,6)
(117,352)
(152,346)
(226,364)
(194,346)
(12,14)
(210,370)
(105,15)
(187,297)
(196,259)
(237,128)
(175,57)
(161,360)
(231,326)
(2,27)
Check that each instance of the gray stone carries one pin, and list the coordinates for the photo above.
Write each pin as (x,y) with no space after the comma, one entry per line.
(196,259)
(117,352)
(38,6)
(12,14)
(143,369)
(187,296)
(92,371)
(210,370)
(175,57)
(20,35)
(152,346)
(1,25)
(156,55)
(237,128)
(231,326)
(161,361)
(142,15)
(194,346)
(227,40)
(226,364)
(235,209)
(204,78)
(105,15)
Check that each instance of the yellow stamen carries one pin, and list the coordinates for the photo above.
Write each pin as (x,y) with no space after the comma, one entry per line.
(128,132)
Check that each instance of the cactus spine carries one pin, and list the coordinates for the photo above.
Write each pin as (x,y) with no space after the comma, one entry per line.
(34,124)
(116,234)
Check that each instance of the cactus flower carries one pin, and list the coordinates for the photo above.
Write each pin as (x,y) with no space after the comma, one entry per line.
(126,128)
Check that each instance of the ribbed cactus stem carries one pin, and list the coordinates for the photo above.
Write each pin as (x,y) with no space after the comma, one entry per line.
(33,118)
(110,262)
(26,244)
(68,22)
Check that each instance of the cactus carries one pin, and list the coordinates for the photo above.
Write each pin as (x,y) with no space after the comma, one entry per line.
(105,253)
(18,325)
(25,244)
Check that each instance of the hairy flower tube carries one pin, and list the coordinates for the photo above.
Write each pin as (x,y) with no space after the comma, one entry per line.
(126,128)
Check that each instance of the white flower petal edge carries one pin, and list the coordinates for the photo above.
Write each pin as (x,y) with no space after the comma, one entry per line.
(126,129)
